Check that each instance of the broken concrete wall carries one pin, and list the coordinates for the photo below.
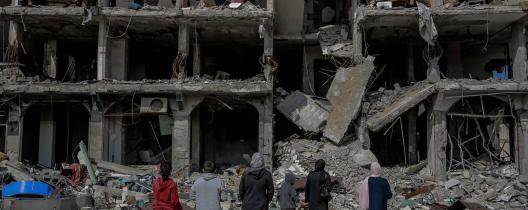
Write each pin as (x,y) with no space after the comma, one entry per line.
(345,95)
(305,111)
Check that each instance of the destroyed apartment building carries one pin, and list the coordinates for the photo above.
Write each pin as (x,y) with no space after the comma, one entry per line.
(437,87)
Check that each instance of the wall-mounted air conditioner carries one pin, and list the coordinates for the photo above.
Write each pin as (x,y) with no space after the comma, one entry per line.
(153,105)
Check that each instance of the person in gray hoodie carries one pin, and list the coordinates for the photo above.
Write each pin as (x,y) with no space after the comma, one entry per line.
(207,189)
(288,196)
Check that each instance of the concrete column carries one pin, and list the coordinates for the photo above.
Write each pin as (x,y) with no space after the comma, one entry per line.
(181,133)
(47,131)
(268,49)
(184,38)
(102,54)
(197,60)
(116,143)
(270,5)
(518,51)
(183,49)
(13,143)
(50,58)
(412,153)
(119,59)
(411,136)
(265,110)
(95,134)
(181,143)
(436,156)
(410,62)
(196,139)
(357,41)
(522,146)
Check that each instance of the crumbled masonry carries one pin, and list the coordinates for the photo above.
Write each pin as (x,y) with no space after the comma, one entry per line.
(94,95)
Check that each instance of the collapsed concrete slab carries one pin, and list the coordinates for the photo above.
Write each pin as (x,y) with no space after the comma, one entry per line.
(305,111)
(345,94)
(403,103)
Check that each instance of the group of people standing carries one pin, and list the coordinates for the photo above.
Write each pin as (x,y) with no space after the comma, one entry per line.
(256,189)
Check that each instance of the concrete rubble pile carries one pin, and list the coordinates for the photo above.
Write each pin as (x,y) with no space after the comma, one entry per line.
(489,188)
(88,185)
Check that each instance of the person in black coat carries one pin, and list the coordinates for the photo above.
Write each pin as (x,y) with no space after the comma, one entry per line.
(316,179)
(375,190)
(256,185)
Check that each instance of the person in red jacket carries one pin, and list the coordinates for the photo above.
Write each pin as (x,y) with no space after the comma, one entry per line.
(165,190)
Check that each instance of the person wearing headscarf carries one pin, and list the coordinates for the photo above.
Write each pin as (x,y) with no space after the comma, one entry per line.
(316,179)
(375,190)
(288,196)
(256,185)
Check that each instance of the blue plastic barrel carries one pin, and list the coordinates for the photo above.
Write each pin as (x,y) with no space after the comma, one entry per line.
(27,188)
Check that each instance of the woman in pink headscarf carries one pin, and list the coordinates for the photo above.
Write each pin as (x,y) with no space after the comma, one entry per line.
(375,190)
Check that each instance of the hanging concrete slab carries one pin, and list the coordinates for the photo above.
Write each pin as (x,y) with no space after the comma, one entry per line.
(345,94)
(289,16)
(305,111)
(403,103)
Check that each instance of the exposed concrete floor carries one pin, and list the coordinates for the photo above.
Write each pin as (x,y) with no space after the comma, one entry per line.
(219,87)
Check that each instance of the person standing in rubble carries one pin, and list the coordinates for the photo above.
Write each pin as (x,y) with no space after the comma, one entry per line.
(375,190)
(165,190)
(288,196)
(208,189)
(318,187)
(256,185)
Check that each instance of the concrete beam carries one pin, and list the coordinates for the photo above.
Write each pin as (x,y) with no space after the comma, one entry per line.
(239,88)
(102,52)
(518,47)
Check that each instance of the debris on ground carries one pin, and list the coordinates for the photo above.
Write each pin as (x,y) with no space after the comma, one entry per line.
(493,187)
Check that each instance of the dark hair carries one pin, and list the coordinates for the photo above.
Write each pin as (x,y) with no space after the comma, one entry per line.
(165,169)
(209,166)
(320,165)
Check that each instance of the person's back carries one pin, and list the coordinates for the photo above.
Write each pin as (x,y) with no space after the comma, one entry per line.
(256,186)
(379,193)
(288,197)
(208,189)
(315,180)
(165,190)
(375,190)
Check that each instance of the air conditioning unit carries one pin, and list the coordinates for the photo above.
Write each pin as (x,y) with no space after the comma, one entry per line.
(153,105)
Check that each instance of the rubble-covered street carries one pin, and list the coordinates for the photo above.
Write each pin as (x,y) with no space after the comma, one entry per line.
(264,104)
